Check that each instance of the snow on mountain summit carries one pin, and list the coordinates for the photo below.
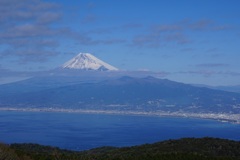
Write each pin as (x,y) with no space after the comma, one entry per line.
(86,61)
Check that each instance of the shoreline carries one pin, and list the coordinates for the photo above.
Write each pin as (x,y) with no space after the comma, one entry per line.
(222,117)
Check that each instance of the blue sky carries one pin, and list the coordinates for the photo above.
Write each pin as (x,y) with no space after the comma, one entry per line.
(190,41)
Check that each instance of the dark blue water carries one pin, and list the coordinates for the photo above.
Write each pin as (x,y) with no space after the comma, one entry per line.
(84,131)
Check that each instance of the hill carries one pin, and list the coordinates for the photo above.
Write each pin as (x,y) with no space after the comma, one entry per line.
(187,148)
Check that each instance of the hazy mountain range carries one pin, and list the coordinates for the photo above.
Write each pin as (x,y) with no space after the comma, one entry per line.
(90,87)
(125,93)
(224,88)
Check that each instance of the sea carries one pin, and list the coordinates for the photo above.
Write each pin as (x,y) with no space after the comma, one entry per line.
(83,131)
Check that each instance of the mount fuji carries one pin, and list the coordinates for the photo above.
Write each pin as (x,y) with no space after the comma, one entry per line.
(86,61)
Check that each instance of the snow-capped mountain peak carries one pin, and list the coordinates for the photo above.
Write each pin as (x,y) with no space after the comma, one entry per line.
(86,61)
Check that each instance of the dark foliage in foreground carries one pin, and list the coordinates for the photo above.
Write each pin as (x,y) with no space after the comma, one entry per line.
(187,149)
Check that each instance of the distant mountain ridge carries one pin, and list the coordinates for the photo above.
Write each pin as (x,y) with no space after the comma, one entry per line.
(223,88)
(147,95)
(86,61)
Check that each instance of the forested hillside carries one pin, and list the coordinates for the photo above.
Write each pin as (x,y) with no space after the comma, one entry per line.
(187,148)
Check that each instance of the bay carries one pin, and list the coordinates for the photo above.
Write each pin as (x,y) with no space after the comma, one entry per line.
(78,131)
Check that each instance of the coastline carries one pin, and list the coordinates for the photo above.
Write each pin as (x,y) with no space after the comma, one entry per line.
(223,117)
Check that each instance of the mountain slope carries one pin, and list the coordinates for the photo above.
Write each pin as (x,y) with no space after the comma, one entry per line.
(86,61)
(130,94)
